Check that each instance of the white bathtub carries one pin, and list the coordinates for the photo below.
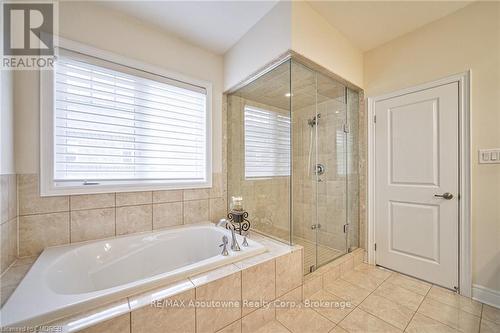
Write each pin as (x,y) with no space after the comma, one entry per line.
(73,278)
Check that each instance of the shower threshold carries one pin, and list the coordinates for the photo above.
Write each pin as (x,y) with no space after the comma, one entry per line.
(325,254)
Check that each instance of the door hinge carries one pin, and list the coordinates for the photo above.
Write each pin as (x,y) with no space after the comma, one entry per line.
(346,226)
(375,119)
(375,246)
(347,128)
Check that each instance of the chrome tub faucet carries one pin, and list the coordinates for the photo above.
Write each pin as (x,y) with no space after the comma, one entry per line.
(234,243)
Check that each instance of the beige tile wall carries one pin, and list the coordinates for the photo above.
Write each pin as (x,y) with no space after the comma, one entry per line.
(48,221)
(8,220)
(266,200)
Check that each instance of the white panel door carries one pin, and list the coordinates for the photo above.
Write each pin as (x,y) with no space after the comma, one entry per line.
(417,160)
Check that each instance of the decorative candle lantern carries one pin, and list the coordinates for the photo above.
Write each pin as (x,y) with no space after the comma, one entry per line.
(238,216)
(237,203)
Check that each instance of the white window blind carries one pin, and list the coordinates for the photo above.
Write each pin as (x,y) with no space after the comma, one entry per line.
(267,143)
(114,123)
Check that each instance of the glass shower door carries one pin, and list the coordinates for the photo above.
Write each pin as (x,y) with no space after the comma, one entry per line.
(330,170)
(304,184)
(324,156)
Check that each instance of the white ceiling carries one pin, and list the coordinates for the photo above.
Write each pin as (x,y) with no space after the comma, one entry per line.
(218,25)
(368,24)
(213,25)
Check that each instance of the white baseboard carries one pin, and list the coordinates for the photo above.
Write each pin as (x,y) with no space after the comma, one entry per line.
(486,295)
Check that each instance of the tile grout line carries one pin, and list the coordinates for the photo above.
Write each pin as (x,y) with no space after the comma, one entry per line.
(481,318)
(358,306)
(69,213)
(392,273)
(445,324)
(416,311)
(195,308)
(376,316)
(116,211)
(241,294)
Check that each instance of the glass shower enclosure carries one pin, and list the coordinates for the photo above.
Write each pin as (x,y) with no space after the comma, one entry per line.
(293,159)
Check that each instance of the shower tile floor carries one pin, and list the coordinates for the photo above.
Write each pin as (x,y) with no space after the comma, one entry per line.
(325,254)
(386,301)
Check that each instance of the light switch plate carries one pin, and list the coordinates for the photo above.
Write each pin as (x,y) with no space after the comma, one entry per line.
(489,156)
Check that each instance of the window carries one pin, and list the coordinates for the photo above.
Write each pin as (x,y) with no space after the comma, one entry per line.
(340,141)
(117,126)
(267,143)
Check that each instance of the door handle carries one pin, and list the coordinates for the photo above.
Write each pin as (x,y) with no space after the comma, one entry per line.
(446,196)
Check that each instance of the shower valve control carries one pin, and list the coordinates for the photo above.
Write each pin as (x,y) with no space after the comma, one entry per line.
(320,169)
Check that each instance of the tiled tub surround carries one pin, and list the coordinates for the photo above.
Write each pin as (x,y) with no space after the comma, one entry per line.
(78,277)
(8,221)
(262,278)
(49,221)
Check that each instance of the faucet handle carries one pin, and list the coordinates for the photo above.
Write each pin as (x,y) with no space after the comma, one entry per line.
(225,241)
(245,242)
(222,223)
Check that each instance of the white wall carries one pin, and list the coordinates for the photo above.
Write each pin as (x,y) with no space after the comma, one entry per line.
(6,123)
(316,39)
(467,39)
(293,26)
(265,41)
(106,29)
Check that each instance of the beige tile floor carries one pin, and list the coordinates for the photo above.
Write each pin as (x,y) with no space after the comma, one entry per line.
(385,301)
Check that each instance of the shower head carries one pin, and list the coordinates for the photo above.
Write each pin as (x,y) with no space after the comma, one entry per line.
(314,120)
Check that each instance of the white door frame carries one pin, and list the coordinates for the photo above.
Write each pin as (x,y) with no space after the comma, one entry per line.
(464,256)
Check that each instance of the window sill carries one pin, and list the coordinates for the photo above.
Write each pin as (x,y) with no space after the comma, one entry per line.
(50,189)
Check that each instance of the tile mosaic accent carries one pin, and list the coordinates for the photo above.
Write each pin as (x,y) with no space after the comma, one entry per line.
(85,217)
